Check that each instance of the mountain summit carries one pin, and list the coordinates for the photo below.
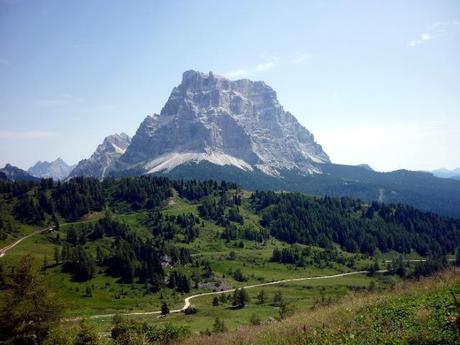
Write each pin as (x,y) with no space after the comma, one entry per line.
(103,158)
(211,118)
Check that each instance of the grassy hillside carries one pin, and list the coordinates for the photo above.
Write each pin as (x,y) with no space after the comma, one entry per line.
(415,312)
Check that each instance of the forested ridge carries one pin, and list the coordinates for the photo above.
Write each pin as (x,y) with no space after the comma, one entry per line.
(354,225)
(290,217)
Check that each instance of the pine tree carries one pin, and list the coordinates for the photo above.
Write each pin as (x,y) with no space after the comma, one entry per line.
(240,298)
(164,309)
(283,310)
(88,292)
(278,298)
(261,297)
(457,257)
(400,267)
(215,301)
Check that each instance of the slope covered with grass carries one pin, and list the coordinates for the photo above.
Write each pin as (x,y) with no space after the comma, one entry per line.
(414,312)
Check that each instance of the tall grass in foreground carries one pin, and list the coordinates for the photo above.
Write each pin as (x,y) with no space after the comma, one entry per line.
(413,312)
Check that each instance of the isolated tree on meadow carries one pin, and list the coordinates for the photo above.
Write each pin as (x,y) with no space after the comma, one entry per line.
(215,301)
(261,297)
(240,298)
(278,298)
(164,309)
(283,310)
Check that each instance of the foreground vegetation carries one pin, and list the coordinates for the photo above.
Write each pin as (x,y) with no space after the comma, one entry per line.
(415,312)
(423,311)
(142,244)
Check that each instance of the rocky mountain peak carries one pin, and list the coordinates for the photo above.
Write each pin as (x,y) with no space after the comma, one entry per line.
(57,169)
(114,143)
(209,117)
(106,154)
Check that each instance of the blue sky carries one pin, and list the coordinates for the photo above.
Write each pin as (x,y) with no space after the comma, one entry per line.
(377,82)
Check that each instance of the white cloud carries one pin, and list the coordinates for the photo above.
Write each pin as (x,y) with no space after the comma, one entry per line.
(422,38)
(34,134)
(436,30)
(268,63)
(425,37)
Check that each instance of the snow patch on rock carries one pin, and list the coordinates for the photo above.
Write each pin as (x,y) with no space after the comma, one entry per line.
(170,161)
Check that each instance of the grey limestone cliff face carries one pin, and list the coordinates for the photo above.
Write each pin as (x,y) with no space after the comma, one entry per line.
(106,154)
(209,117)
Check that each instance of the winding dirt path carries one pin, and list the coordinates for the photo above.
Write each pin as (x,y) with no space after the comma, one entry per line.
(187,300)
(4,250)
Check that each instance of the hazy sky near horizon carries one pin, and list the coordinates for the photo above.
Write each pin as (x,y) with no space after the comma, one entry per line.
(376,82)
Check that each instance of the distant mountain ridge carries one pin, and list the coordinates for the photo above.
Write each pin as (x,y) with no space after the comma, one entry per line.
(446,173)
(57,169)
(12,173)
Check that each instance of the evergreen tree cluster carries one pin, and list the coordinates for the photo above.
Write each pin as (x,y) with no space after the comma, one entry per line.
(222,208)
(301,257)
(78,262)
(34,201)
(292,255)
(143,192)
(183,227)
(355,226)
(195,190)
(246,232)
(78,196)
(129,257)
(179,282)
